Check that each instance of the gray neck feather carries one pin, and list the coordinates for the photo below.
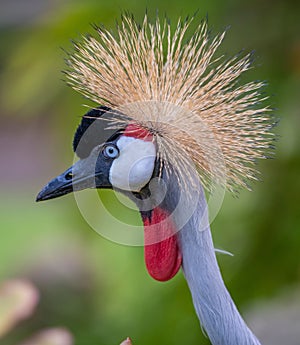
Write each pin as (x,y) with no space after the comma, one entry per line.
(215,308)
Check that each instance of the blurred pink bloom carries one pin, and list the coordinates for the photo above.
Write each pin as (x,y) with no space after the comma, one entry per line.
(126,342)
(50,336)
(18,299)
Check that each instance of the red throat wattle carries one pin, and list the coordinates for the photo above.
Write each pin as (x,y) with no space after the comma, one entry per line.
(162,255)
(163,258)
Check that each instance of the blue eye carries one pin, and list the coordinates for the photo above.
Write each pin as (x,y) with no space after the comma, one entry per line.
(111,151)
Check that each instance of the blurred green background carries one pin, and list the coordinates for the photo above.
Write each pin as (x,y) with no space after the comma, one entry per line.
(98,290)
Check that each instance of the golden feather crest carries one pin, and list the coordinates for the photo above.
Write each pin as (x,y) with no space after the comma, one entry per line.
(176,88)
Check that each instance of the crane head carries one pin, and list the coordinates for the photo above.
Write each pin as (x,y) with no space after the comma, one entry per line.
(124,161)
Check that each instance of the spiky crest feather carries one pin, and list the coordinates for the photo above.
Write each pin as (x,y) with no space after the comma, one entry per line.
(175,88)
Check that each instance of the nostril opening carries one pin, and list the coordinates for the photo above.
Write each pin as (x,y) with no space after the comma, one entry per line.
(69,176)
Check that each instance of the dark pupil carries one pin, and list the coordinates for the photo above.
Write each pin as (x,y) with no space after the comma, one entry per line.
(111,150)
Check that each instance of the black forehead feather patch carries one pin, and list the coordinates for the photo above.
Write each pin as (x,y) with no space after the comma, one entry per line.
(84,141)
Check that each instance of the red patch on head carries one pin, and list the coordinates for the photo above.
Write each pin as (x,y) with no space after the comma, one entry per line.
(163,257)
(138,132)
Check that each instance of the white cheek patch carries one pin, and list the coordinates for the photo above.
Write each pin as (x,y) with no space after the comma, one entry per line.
(134,167)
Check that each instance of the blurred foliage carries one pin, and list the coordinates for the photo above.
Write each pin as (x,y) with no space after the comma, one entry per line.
(99,290)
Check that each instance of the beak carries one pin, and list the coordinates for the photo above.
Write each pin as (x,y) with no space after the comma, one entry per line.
(86,173)
(59,186)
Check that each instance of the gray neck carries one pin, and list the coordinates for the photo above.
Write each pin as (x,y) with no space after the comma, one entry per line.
(215,308)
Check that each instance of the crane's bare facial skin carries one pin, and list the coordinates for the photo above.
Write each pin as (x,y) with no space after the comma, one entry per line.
(133,168)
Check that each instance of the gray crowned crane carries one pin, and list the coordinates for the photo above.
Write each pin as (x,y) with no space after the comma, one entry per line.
(170,121)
